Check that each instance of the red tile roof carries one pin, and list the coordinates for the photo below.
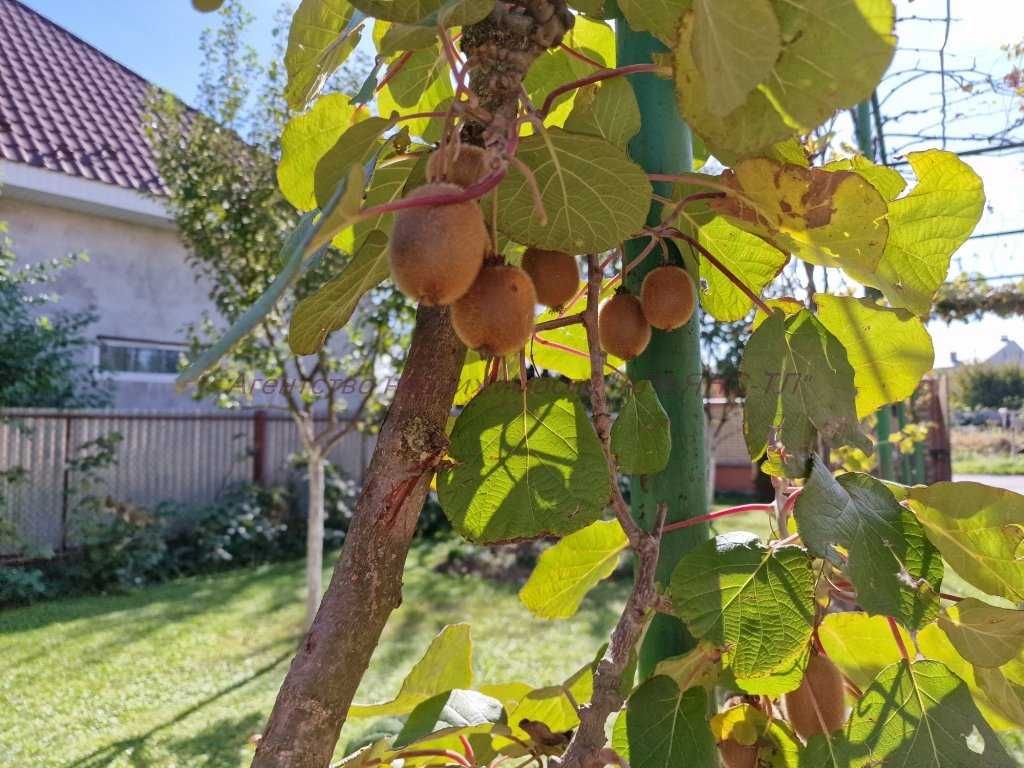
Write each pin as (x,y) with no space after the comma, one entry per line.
(66,106)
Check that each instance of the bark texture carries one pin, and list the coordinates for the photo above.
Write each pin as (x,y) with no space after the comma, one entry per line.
(314,536)
(366,586)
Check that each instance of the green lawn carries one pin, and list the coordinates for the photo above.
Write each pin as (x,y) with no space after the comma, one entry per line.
(976,464)
(182,675)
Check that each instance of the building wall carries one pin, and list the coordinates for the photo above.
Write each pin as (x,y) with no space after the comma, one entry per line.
(136,278)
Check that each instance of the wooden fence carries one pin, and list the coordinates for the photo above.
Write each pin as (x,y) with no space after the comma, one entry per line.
(187,457)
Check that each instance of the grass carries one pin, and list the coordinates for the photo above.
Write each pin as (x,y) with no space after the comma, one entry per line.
(975,464)
(183,674)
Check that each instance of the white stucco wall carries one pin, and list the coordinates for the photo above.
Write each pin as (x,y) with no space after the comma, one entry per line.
(136,278)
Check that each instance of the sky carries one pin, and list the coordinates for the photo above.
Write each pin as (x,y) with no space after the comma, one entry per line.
(159,40)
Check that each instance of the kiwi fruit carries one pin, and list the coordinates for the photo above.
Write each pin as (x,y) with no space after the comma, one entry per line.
(555,275)
(736,755)
(207,6)
(466,168)
(496,317)
(822,686)
(622,327)
(436,251)
(668,297)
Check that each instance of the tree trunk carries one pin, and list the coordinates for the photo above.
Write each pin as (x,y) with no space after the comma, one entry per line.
(314,535)
(366,587)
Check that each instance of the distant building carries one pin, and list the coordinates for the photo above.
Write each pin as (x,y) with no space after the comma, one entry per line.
(1010,354)
(77,174)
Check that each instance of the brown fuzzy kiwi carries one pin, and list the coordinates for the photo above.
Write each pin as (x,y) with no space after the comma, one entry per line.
(622,327)
(207,6)
(469,165)
(668,297)
(555,275)
(436,251)
(822,686)
(496,317)
(736,755)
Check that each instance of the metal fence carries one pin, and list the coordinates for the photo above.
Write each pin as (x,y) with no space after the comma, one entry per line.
(164,456)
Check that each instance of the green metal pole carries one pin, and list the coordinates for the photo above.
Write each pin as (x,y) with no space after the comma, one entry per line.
(883,428)
(672,361)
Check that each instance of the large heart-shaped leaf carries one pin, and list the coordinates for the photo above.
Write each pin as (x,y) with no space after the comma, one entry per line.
(665,726)
(641,437)
(322,35)
(525,463)
(755,602)
(984,634)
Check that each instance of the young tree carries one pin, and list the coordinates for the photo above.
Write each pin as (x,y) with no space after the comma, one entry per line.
(520,137)
(219,168)
(42,362)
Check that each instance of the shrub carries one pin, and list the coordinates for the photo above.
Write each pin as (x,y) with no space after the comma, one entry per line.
(19,586)
(990,386)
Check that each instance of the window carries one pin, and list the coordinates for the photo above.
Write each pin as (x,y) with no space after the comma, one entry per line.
(138,357)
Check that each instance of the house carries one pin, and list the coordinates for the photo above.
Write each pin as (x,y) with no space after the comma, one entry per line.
(77,174)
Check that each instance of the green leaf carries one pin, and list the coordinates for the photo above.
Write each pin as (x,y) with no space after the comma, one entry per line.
(552,706)
(890,349)
(422,85)
(608,110)
(450,13)
(735,45)
(641,439)
(322,35)
(926,228)
(599,9)
(830,218)
(918,715)
(984,634)
(755,262)
(305,140)
(404,37)
(799,385)
(666,726)
(834,52)
(330,308)
(526,464)
(860,645)
(390,182)
(888,181)
(896,571)
(659,17)
(755,602)
(993,693)
(980,532)
(594,196)
(780,681)
(449,711)
(447,664)
(571,568)
(353,147)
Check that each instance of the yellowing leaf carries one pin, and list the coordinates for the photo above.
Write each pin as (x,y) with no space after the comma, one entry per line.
(830,218)
(571,568)
(446,664)
(890,350)
(659,17)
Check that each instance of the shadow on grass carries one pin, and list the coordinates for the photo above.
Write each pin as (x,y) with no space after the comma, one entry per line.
(222,739)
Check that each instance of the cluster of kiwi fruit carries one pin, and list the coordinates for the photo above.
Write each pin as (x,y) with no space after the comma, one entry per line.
(818,705)
(667,299)
(438,257)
